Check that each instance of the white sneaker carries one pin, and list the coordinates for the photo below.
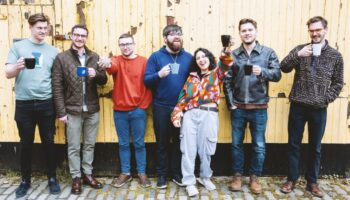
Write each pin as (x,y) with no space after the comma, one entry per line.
(192,190)
(206,182)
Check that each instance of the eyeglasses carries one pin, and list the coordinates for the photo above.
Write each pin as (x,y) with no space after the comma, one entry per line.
(79,35)
(316,30)
(125,44)
(177,33)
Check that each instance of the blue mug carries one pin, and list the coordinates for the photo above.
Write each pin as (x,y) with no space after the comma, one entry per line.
(82,71)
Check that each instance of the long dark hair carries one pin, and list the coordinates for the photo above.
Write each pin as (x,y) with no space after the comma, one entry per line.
(212,62)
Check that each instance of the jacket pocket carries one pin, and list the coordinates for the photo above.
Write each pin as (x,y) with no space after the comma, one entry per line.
(181,137)
(211,145)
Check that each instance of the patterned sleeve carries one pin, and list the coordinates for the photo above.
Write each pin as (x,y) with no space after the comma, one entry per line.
(226,59)
(182,101)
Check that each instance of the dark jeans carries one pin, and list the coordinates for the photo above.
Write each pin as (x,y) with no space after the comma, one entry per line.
(28,114)
(316,119)
(257,119)
(165,131)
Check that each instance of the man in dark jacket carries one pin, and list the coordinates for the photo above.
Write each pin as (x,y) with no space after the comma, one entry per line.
(246,90)
(75,76)
(318,81)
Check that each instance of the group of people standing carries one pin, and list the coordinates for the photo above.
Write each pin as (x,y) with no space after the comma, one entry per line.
(184,91)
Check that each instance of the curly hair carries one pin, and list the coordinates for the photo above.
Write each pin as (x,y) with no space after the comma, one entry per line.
(212,62)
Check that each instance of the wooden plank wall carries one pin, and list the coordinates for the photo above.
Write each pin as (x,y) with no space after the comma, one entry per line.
(281,25)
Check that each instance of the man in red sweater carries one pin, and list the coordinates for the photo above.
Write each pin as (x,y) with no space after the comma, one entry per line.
(131,99)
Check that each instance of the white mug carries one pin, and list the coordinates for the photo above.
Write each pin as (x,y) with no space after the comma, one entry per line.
(316,49)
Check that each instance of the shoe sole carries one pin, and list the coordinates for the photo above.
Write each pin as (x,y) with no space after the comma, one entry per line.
(177,183)
(145,186)
(200,181)
(256,192)
(118,186)
(235,190)
(309,189)
(285,191)
(54,193)
(84,183)
(75,193)
(162,187)
(192,195)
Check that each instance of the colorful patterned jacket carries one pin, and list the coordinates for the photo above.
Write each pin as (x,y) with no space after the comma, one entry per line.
(197,91)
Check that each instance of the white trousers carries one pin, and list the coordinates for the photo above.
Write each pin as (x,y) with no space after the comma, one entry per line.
(198,133)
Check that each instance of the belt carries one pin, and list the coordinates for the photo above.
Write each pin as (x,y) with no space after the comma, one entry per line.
(214,109)
(33,101)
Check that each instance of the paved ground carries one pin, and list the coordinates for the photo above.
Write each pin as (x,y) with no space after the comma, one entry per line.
(334,189)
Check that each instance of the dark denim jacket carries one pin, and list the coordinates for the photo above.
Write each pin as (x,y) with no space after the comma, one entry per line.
(251,89)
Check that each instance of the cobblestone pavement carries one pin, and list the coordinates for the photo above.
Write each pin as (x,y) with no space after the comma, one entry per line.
(333,188)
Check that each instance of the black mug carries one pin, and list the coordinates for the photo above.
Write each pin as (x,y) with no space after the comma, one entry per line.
(225,40)
(248,69)
(29,63)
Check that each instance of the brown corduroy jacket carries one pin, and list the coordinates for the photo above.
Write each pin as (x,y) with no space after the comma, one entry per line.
(67,87)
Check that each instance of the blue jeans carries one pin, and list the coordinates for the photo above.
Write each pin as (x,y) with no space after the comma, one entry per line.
(316,119)
(165,131)
(257,119)
(28,114)
(134,121)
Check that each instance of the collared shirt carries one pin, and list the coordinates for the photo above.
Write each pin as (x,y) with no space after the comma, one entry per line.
(82,58)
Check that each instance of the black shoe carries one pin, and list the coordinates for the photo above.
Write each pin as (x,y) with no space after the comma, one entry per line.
(54,186)
(161,182)
(177,180)
(22,189)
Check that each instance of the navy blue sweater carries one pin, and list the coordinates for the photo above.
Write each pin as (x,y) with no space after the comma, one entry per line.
(166,90)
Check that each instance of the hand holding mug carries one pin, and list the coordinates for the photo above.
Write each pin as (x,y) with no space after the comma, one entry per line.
(227,43)
(91,72)
(256,70)
(306,51)
(20,64)
(104,62)
(164,71)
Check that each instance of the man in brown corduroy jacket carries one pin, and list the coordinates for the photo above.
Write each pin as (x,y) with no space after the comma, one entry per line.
(75,76)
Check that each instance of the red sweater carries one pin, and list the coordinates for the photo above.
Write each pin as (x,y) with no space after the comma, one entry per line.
(129,91)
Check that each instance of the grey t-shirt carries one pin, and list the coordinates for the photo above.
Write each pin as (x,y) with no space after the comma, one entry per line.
(33,83)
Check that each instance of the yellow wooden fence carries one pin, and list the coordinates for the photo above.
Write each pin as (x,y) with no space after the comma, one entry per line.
(281,25)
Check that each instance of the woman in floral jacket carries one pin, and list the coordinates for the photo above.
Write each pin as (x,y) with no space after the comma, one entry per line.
(198,105)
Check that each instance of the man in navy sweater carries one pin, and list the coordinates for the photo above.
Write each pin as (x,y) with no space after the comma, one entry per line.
(166,72)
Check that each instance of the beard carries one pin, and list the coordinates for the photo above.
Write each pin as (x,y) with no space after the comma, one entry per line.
(249,42)
(175,46)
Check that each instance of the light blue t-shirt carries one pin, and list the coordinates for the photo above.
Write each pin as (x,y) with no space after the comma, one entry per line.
(34,83)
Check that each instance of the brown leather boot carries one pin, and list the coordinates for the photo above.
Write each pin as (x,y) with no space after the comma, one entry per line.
(76,186)
(314,189)
(236,183)
(254,185)
(88,179)
(288,186)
